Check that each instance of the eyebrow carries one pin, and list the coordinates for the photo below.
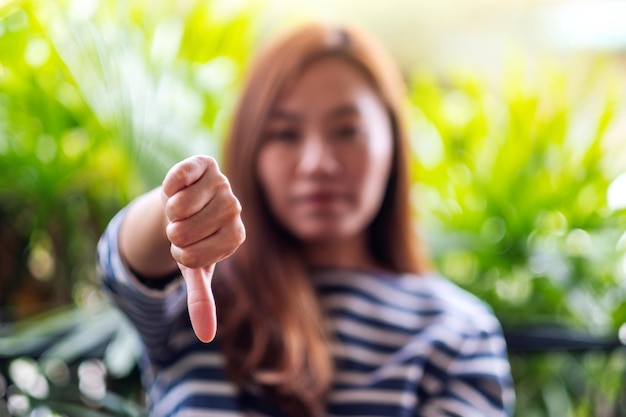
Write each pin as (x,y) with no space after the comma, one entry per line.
(344,110)
(284,115)
(338,112)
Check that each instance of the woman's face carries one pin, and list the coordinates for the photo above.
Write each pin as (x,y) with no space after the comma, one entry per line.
(326,156)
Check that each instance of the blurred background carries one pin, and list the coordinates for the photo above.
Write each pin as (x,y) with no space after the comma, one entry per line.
(518,122)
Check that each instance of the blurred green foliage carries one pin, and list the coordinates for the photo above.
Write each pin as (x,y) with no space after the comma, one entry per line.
(513,178)
(98,98)
(512,185)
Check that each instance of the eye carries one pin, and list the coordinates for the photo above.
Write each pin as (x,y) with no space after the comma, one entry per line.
(347,132)
(284,135)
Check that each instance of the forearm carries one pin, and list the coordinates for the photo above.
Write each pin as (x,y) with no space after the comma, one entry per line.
(143,243)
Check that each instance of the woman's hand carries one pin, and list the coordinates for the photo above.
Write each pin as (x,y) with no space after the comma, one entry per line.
(204,227)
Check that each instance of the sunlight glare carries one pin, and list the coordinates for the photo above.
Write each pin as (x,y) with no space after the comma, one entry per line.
(616,194)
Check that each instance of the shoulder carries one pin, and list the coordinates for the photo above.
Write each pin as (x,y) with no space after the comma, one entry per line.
(442,293)
(456,306)
(426,299)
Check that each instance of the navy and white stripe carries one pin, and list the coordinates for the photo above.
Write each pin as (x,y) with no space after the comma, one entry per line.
(404,346)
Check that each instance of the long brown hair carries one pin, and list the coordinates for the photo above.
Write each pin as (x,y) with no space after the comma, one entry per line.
(271,327)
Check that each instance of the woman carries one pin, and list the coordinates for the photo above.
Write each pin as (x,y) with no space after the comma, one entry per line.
(327,308)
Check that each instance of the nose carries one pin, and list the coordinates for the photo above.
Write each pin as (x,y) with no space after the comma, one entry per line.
(317,156)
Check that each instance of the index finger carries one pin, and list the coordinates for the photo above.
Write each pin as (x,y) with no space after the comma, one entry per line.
(185,173)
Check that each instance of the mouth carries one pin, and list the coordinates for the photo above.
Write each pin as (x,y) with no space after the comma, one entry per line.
(320,198)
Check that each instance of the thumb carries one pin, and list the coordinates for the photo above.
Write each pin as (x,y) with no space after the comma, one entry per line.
(200,301)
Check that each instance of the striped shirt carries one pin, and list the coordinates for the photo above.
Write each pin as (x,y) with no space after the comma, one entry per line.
(403,346)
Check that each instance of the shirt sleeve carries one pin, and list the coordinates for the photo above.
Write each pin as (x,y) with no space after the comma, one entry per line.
(477,382)
(155,313)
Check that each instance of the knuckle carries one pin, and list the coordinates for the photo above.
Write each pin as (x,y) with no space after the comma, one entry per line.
(222,187)
(179,173)
(175,251)
(224,179)
(206,164)
(240,233)
(230,205)
(237,205)
(190,259)
(178,207)
(171,210)
(228,251)
(207,160)
(176,234)
(235,237)
(232,211)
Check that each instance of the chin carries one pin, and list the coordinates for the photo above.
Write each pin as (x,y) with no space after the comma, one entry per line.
(322,235)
